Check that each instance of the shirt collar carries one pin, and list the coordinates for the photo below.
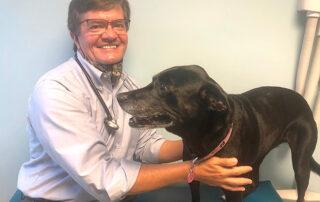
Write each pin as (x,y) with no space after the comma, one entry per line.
(97,76)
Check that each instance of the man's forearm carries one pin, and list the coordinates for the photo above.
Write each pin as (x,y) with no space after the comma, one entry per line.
(222,172)
(171,151)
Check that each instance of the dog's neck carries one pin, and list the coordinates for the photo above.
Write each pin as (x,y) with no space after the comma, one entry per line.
(208,144)
(218,148)
(202,136)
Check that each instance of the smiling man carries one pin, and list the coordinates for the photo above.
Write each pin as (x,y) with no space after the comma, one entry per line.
(98,42)
(81,146)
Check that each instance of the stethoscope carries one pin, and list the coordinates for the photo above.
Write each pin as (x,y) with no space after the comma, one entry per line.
(109,122)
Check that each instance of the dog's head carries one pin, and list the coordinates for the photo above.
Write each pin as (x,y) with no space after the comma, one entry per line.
(176,97)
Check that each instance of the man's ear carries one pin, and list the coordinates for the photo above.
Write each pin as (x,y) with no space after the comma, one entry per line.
(75,40)
(213,97)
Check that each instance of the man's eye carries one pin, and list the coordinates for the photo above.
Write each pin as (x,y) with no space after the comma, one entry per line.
(95,26)
(118,25)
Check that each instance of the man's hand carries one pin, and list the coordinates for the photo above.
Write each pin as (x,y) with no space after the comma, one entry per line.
(222,172)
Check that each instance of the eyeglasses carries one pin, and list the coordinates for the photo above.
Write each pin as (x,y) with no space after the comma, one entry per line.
(99,26)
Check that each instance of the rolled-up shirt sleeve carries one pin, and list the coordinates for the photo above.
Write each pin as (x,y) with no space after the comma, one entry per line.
(62,122)
(148,146)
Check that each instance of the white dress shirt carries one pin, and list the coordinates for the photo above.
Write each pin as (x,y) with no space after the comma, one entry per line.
(72,156)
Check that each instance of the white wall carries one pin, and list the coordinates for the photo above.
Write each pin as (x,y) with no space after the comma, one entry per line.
(242,44)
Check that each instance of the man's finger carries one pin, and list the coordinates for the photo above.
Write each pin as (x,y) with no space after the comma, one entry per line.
(239,170)
(238,181)
(225,162)
(231,188)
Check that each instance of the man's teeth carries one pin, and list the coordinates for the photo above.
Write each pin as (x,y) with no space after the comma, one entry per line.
(109,46)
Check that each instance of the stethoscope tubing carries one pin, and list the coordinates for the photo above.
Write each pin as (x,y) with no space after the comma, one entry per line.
(110,122)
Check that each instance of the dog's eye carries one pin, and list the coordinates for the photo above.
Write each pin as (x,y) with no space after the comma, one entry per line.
(163,88)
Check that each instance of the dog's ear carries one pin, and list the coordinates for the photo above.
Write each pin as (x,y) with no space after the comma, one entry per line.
(213,97)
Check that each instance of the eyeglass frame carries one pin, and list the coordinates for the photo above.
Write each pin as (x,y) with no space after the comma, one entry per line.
(126,23)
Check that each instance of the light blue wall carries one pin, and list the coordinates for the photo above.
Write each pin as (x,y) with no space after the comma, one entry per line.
(242,44)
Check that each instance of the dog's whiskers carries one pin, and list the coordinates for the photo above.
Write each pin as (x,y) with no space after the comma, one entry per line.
(172,113)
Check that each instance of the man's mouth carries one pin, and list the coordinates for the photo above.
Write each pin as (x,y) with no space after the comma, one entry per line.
(109,47)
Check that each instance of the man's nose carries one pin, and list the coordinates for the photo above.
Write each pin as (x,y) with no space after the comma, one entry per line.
(109,32)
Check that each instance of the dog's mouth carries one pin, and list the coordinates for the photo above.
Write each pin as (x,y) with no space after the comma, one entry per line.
(154,121)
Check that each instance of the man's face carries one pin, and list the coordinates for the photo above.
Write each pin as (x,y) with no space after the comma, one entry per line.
(108,47)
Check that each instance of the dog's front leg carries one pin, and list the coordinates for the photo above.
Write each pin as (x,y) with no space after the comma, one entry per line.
(195,191)
(195,185)
(233,196)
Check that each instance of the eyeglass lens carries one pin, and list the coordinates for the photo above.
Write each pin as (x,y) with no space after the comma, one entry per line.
(98,26)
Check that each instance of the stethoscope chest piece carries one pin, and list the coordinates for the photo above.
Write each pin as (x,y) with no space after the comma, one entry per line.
(111,124)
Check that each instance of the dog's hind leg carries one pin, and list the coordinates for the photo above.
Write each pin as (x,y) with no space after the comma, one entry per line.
(302,175)
(315,167)
(302,138)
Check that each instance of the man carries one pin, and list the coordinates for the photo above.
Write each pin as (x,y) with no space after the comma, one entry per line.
(74,154)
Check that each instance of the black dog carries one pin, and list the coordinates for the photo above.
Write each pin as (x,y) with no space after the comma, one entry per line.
(188,103)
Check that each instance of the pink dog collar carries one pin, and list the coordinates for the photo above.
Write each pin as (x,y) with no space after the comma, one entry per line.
(197,161)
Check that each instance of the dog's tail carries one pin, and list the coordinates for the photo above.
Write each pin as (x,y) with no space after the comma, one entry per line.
(315,167)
